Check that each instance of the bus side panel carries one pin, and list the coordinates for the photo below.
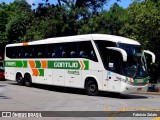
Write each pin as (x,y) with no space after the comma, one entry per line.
(105,80)
(111,81)
(10,73)
(73,78)
(48,76)
(58,77)
(44,76)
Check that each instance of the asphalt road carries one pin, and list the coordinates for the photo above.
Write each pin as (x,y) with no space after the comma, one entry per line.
(51,98)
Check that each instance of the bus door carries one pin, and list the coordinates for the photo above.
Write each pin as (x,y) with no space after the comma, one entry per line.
(112,80)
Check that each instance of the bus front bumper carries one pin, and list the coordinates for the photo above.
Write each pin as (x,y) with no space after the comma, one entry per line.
(128,89)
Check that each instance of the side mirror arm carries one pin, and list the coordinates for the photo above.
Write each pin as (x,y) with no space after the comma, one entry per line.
(152,54)
(123,52)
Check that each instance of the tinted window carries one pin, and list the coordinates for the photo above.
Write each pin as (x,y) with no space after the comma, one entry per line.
(86,50)
(114,60)
(57,50)
(104,52)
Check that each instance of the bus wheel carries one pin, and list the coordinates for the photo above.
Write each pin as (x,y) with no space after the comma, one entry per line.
(27,80)
(19,79)
(91,88)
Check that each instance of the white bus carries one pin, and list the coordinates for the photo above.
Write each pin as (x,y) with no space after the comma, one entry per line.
(94,62)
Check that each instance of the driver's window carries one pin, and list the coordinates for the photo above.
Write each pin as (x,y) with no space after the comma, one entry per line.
(114,61)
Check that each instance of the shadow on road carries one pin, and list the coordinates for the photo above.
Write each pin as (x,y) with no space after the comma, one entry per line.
(4,97)
(123,96)
(2,85)
(82,91)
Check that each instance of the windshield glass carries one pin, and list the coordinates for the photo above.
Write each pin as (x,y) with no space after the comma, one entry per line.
(135,66)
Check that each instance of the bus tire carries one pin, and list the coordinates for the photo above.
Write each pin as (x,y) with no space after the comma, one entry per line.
(91,88)
(27,80)
(19,79)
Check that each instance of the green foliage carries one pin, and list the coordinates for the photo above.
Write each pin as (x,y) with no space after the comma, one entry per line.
(16,19)
(110,22)
(143,25)
(3,21)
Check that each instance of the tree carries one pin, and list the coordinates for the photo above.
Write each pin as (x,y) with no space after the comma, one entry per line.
(93,5)
(4,8)
(115,19)
(110,22)
(19,18)
(143,25)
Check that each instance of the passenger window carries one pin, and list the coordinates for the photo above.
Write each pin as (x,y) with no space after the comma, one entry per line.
(86,50)
(72,54)
(58,50)
(83,54)
(32,52)
(67,50)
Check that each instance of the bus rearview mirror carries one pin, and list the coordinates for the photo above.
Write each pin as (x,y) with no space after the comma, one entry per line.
(152,54)
(123,52)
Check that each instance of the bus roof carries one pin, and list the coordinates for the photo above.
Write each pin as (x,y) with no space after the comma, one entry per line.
(86,37)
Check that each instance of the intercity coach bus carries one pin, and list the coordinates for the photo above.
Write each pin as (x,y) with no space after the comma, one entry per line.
(94,62)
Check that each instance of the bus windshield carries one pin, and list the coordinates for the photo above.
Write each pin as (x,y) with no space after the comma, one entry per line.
(135,66)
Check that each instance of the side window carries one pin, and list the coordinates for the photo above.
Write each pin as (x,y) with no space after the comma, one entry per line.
(32,53)
(63,50)
(20,52)
(16,52)
(40,51)
(10,52)
(13,52)
(52,50)
(68,50)
(73,51)
(86,50)
(26,52)
(58,50)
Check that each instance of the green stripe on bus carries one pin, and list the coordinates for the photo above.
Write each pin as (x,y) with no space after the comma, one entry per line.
(86,63)
(14,63)
(41,72)
(38,64)
(58,64)
(143,80)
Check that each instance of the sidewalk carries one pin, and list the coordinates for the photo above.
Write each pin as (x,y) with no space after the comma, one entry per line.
(151,91)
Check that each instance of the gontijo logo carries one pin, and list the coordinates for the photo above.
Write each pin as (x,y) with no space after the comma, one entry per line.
(65,64)
(78,65)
